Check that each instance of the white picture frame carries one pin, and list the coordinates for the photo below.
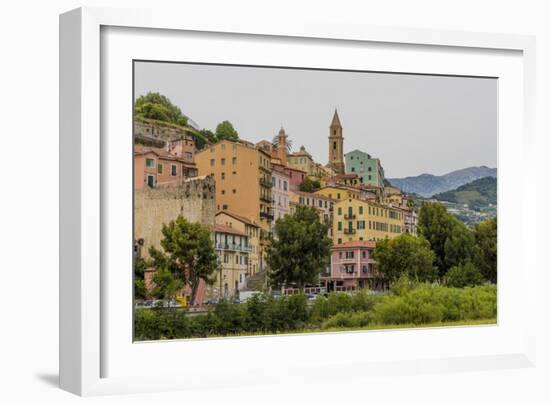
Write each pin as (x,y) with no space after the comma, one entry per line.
(96,354)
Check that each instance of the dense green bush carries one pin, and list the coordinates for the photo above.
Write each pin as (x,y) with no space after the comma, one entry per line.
(409,302)
(464,275)
(430,303)
(343,319)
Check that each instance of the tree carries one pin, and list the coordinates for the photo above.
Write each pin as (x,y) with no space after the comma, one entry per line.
(309,185)
(226,131)
(485,249)
(188,254)
(300,250)
(203,137)
(450,240)
(166,284)
(405,255)
(158,107)
(139,282)
(464,275)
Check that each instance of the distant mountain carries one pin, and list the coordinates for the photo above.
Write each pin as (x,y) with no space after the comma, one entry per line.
(428,185)
(476,195)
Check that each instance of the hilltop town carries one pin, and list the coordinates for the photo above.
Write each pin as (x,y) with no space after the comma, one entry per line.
(239,190)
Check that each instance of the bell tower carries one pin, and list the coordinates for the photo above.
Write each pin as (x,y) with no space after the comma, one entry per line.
(282,146)
(336,145)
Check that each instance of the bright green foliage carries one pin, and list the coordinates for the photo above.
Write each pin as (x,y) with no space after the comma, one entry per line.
(355,319)
(309,185)
(451,241)
(430,304)
(464,275)
(405,254)
(226,131)
(485,250)
(459,245)
(300,250)
(204,137)
(158,107)
(188,254)
(416,303)
(166,283)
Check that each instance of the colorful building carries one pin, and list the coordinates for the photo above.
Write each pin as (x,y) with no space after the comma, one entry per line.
(154,167)
(233,251)
(339,192)
(251,230)
(362,220)
(303,161)
(352,267)
(336,146)
(321,203)
(368,168)
(280,194)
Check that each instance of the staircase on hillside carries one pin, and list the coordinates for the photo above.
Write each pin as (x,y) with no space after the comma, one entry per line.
(257,282)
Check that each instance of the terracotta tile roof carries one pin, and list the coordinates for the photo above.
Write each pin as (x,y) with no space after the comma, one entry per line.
(160,153)
(355,244)
(237,217)
(227,230)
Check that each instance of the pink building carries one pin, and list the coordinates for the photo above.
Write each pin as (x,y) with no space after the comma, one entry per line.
(352,268)
(295,176)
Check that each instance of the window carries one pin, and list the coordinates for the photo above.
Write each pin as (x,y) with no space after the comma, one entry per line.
(223,146)
(223,175)
(370,169)
(370,177)
(364,253)
(188,155)
(234,191)
(334,143)
(174,170)
(223,160)
(339,210)
(149,162)
(212,162)
(339,240)
(360,224)
(339,225)
(285,185)
(224,207)
(151,181)
(159,168)
(360,209)
(352,169)
(338,195)
(234,160)
(223,192)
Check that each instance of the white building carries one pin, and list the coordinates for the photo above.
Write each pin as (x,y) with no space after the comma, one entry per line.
(280,192)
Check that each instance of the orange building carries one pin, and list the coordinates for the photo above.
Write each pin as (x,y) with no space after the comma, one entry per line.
(243,182)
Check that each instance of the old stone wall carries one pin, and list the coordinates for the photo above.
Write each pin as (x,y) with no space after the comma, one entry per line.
(194,198)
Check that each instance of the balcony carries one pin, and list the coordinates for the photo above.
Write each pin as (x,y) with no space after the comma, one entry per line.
(349,231)
(266,183)
(266,199)
(349,217)
(233,247)
(267,216)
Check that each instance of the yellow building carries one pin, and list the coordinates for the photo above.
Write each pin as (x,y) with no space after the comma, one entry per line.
(336,192)
(233,249)
(303,161)
(361,220)
(252,232)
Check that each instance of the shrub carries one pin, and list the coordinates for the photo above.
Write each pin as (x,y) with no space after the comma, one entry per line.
(464,275)
(334,303)
(346,319)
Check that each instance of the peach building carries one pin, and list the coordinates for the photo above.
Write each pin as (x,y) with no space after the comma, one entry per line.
(154,167)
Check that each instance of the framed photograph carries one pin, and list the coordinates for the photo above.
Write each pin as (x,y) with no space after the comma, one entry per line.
(242,197)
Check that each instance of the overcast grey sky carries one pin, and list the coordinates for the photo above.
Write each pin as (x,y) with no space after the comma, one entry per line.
(414,124)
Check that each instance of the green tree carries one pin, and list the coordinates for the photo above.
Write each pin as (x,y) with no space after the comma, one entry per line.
(485,250)
(450,240)
(139,282)
(204,137)
(158,107)
(226,131)
(459,245)
(464,275)
(188,253)
(309,185)
(166,284)
(405,254)
(300,250)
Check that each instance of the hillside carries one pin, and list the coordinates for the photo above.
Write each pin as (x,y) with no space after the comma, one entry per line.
(428,185)
(477,194)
